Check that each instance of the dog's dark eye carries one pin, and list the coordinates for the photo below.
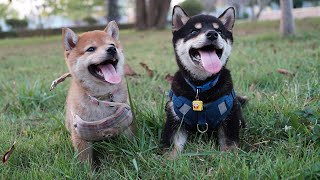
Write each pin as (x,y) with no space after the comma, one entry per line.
(113,45)
(219,31)
(195,31)
(91,49)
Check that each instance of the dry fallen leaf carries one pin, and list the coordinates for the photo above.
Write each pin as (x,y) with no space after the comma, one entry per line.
(169,78)
(59,80)
(146,67)
(128,71)
(7,155)
(285,72)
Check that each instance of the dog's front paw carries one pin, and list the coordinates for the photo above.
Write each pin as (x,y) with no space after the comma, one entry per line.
(171,155)
(229,148)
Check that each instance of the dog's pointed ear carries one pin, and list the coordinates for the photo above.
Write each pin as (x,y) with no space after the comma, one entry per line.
(228,17)
(113,30)
(179,18)
(69,39)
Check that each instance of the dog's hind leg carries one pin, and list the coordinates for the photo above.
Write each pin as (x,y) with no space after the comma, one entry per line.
(174,133)
(179,140)
(129,132)
(228,132)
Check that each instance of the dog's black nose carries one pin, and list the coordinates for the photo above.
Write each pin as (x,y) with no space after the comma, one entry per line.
(112,50)
(212,35)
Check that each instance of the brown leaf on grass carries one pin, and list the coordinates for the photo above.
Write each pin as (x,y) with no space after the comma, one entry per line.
(285,72)
(274,51)
(146,67)
(314,46)
(128,71)
(169,78)
(7,155)
(59,80)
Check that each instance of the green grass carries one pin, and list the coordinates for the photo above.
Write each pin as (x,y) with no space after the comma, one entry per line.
(34,116)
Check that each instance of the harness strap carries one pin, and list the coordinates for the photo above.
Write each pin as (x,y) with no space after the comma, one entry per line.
(104,128)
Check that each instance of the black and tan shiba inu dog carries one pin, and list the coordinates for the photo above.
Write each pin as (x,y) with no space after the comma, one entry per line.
(202,97)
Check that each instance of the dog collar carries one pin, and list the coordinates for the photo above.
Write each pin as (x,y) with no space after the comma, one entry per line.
(204,87)
(103,98)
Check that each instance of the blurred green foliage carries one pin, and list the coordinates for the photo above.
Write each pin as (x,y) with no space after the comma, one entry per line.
(90,20)
(192,7)
(72,8)
(17,24)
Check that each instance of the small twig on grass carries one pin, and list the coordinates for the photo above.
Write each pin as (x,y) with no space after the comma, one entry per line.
(59,80)
(262,142)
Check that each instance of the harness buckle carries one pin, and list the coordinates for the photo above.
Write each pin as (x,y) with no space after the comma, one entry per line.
(200,131)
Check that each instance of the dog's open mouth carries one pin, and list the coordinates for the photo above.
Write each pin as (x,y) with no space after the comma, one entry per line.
(209,56)
(106,71)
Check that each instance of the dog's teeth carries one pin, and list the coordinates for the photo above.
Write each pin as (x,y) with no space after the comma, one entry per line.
(99,73)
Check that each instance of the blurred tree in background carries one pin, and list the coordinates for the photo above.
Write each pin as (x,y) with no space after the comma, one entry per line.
(6,11)
(287,26)
(17,24)
(253,4)
(299,3)
(209,5)
(73,9)
(152,14)
(3,10)
(113,10)
(261,5)
(90,20)
(192,7)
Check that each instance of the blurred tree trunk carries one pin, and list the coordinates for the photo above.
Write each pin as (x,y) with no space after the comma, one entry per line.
(151,14)
(141,15)
(261,5)
(287,26)
(113,11)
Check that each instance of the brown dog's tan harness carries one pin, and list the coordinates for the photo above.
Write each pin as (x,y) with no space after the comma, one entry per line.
(106,127)
(103,128)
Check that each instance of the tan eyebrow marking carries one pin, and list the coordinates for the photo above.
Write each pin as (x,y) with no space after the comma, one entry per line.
(198,25)
(215,25)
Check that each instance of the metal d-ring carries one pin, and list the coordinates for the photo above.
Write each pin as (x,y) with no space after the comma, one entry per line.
(204,130)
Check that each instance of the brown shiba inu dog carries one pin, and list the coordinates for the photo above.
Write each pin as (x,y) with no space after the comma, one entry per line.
(97,102)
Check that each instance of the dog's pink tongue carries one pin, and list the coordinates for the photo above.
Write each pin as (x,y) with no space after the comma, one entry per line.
(110,74)
(210,61)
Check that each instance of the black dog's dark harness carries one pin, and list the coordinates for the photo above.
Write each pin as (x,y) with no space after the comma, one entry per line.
(213,113)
